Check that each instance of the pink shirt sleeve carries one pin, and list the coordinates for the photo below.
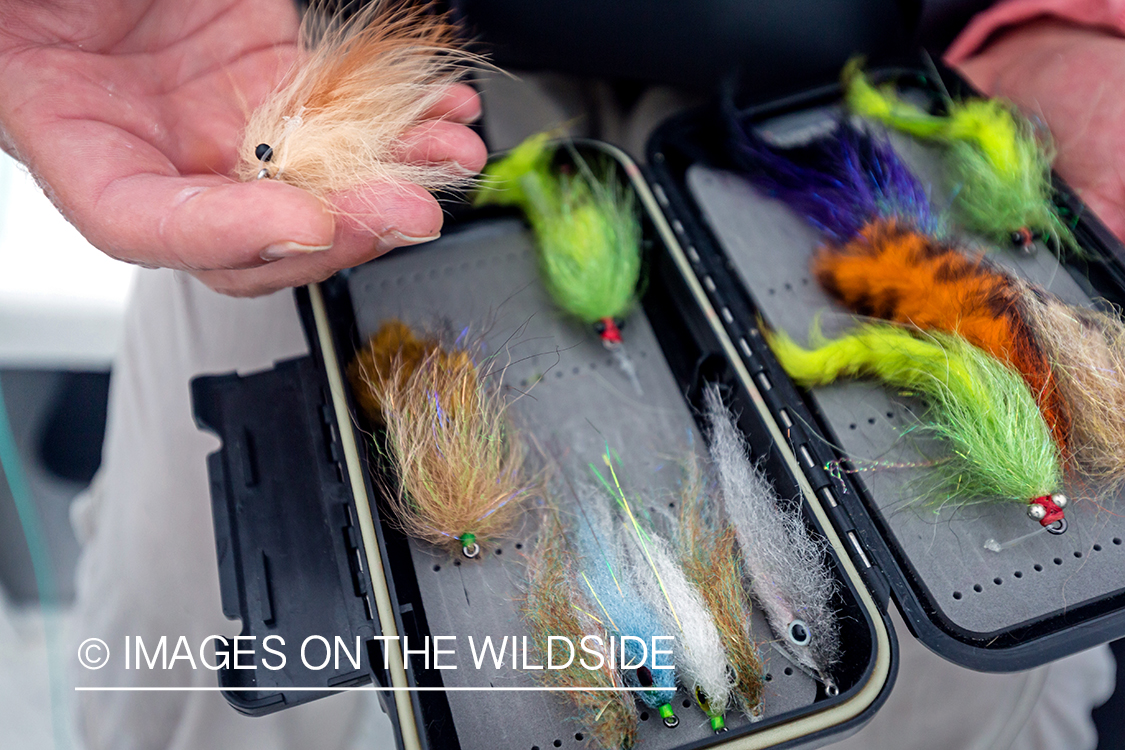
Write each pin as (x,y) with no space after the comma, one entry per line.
(1107,14)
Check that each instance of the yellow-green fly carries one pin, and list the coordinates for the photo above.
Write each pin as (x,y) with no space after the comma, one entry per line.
(588,230)
(999,159)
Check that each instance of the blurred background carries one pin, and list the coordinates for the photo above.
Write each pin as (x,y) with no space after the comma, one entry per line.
(61,313)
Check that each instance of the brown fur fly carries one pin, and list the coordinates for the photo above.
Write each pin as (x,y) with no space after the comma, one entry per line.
(552,608)
(712,561)
(458,461)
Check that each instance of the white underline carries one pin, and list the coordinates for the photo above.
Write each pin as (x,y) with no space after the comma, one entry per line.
(164,689)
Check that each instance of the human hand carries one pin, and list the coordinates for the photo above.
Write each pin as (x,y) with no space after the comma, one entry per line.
(1072,78)
(129,113)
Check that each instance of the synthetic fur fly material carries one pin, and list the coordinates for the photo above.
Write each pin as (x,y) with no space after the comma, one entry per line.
(839,183)
(602,578)
(884,256)
(785,565)
(1072,358)
(587,230)
(1087,351)
(1000,447)
(1002,162)
(458,461)
(891,271)
(358,86)
(653,571)
(699,654)
(391,356)
(554,606)
(709,554)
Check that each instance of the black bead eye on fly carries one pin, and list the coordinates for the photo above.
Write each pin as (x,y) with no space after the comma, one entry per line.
(1023,238)
(263,152)
(644,676)
(619,323)
(599,327)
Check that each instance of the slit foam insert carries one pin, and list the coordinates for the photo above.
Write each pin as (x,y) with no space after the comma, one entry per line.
(976,589)
(485,278)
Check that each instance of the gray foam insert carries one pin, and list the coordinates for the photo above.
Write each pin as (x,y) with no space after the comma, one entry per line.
(485,278)
(976,589)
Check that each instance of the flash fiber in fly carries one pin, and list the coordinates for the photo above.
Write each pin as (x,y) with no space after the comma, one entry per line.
(556,606)
(458,461)
(785,564)
(1000,449)
(603,577)
(708,551)
(701,660)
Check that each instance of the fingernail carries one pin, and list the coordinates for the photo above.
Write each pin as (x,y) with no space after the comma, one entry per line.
(408,240)
(289,249)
